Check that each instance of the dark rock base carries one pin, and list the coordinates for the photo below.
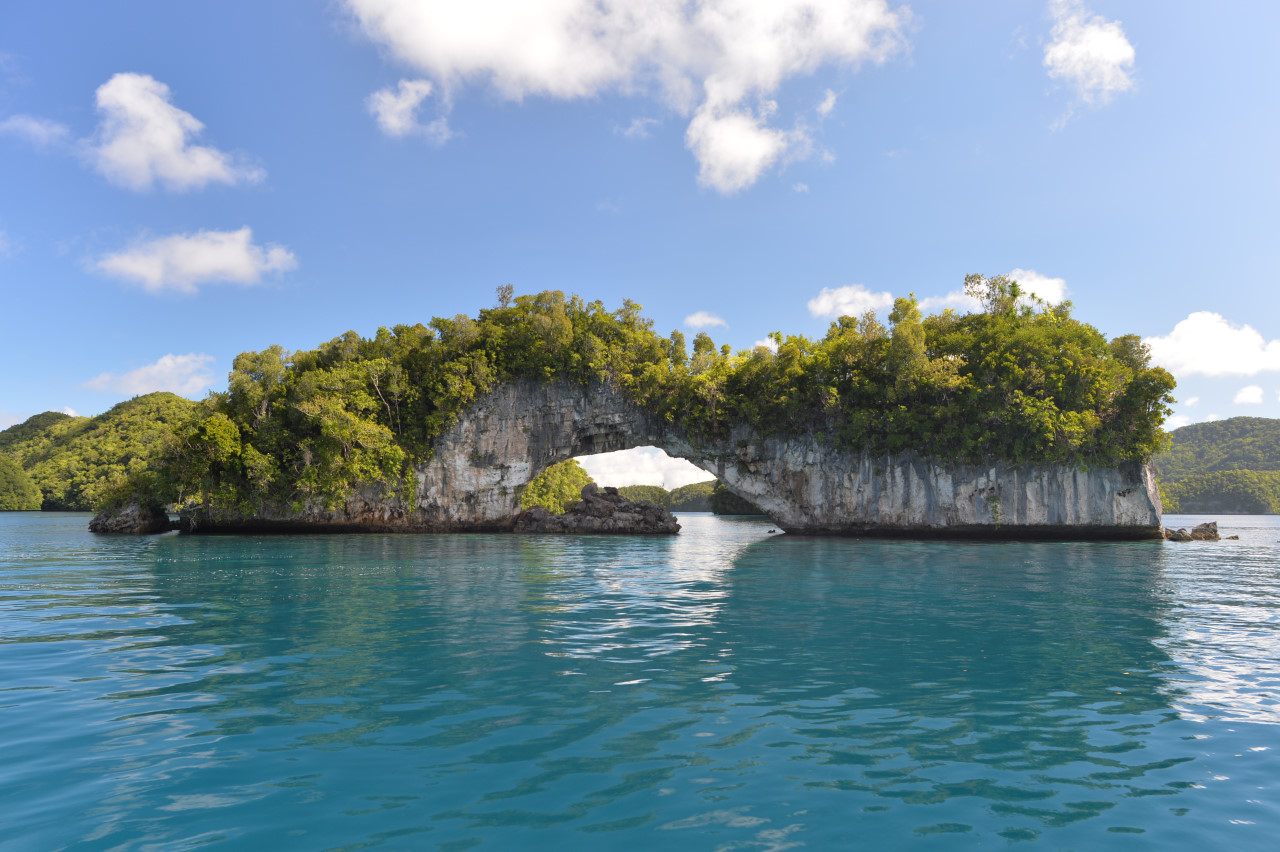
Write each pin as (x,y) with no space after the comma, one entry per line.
(601,511)
(131,518)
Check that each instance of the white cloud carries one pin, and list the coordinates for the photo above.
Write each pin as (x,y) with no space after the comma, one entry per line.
(145,140)
(956,299)
(642,466)
(733,149)
(186,375)
(68,410)
(40,132)
(1213,417)
(1249,395)
(1177,421)
(1208,344)
(639,128)
(702,319)
(800,187)
(185,261)
(397,111)
(768,343)
(828,103)
(1191,403)
(849,301)
(1088,52)
(1051,290)
(717,60)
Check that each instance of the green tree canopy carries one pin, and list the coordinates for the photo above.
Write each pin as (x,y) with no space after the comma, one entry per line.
(557,488)
(18,493)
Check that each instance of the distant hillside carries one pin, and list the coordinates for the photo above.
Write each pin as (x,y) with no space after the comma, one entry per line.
(1240,443)
(1229,466)
(72,460)
(709,496)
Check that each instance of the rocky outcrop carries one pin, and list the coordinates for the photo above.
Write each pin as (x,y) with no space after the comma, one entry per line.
(601,511)
(1200,532)
(133,518)
(472,481)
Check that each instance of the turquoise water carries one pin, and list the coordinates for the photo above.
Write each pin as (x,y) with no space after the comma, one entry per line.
(724,689)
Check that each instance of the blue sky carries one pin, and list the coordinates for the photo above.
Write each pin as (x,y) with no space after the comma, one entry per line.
(180,182)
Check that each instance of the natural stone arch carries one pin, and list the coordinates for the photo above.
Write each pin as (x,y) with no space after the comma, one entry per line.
(473,479)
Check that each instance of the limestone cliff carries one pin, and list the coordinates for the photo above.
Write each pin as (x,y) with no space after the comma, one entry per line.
(473,479)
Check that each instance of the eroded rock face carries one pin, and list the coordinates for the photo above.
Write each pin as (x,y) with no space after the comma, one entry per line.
(601,511)
(474,478)
(131,518)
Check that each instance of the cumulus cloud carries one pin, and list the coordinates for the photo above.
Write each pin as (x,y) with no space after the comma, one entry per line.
(145,140)
(638,128)
(40,132)
(397,111)
(185,375)
(703,319)
(642,466)
(1249,395)
(69,411)
(849,301)
(1089,53)
(1208,344)
(183,262)
(768,343)
(1051,290)
(718,61)
(1177,421)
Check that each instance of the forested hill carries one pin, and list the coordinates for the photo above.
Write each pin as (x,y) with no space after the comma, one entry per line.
(74,461)
(1228,466)
(1240,443)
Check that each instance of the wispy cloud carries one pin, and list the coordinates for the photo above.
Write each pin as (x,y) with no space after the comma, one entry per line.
(638,128)
(828,103)
(185,375)
(397,112)
(703,319)
(40,132)
(184,262)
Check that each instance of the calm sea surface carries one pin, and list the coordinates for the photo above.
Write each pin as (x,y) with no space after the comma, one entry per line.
(723,689)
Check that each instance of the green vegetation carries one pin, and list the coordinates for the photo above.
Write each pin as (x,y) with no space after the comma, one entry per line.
(17,492)
(78,462)
(692,498)
(651,493)
(1246,492)
(1223,466)
(557,488)
(1018,382)
(708,496)
(725,502)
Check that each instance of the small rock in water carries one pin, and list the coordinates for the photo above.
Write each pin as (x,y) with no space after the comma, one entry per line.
(1200,532)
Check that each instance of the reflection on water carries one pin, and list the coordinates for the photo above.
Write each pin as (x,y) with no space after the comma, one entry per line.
(724,689)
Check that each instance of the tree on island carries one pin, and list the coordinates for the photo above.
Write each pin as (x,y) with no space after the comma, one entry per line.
(1020,381)
(557,488)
